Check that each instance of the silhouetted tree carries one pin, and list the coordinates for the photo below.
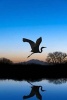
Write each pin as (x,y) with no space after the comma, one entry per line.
(5,61)
(56,57)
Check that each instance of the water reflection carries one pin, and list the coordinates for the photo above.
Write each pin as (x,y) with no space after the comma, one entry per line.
(34,91)
(19,90)
(58,81)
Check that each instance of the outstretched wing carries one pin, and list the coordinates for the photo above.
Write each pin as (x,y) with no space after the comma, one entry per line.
(38,41)
(29,41)
(38,95)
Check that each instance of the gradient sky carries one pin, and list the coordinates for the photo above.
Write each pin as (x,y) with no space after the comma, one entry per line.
(32,19)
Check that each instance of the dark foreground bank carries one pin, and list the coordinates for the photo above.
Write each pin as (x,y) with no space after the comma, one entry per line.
(32,71)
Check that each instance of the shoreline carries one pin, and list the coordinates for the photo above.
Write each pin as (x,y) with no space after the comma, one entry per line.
(32,71)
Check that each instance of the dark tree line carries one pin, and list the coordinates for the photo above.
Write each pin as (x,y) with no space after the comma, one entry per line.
(56,57)
(5,61)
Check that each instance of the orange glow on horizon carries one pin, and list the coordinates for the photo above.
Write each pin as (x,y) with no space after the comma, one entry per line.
(21,56)
(24,58)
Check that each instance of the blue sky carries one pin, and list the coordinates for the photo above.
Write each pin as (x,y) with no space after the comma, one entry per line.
(32,19)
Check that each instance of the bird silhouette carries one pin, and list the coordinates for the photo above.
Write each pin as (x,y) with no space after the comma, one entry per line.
(34,91)
(34,45)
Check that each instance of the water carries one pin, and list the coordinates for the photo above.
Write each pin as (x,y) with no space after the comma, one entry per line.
(15,90)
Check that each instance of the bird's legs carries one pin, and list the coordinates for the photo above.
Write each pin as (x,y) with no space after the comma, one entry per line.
(30,55)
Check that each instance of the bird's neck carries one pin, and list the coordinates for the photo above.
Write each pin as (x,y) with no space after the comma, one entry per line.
(41,88)
(41,50)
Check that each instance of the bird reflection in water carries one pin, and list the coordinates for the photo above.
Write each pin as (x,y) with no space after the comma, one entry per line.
(34,91)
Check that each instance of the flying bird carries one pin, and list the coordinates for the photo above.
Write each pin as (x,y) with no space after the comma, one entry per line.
(34,45)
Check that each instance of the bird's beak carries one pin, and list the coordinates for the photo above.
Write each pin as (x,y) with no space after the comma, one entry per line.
(44,90)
